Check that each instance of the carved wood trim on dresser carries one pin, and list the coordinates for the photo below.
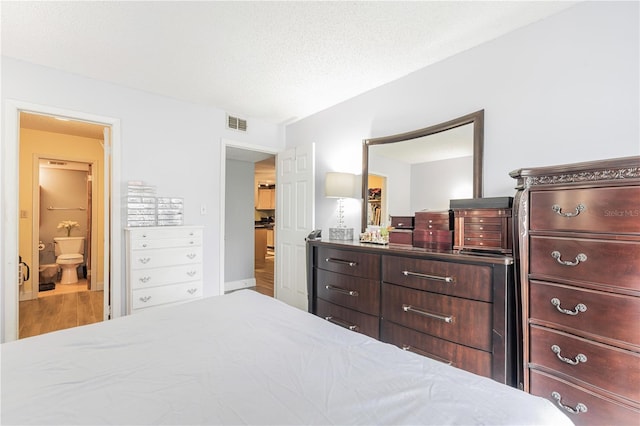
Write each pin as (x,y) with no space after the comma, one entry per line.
(578,257)
(454,307)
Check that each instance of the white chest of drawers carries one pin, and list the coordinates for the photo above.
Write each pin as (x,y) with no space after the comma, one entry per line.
(164,266)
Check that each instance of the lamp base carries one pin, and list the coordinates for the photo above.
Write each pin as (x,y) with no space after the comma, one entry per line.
(341,234)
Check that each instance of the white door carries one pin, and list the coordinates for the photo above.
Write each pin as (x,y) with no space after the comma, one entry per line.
(295,200)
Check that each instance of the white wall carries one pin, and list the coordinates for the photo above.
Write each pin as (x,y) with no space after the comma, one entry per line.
(239,221)
(169,143)
(435,183)
(562,90)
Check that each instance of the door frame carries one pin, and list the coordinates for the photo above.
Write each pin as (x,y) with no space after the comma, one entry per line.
(10,209)
(35,219)
(224,143)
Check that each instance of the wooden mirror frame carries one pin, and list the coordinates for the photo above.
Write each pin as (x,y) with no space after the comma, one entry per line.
(477,118)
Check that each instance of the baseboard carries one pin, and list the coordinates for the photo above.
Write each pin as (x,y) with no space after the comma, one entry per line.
(240,284)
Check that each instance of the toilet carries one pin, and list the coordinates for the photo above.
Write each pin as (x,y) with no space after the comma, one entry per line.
(69,255)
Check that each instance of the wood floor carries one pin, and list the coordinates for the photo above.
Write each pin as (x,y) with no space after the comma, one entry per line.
(67,306)
(264,276)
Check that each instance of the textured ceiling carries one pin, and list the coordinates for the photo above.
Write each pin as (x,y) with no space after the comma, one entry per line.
(276,61)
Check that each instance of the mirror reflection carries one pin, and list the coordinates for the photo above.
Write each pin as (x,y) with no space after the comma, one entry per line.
(422,170)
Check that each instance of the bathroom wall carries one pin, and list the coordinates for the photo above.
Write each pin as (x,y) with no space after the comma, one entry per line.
(34,144)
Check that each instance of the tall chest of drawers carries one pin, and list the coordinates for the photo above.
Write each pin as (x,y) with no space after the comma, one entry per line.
(452,307)
(164,266)
(579,258)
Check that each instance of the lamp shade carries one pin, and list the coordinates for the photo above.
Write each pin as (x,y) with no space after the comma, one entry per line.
(339,185)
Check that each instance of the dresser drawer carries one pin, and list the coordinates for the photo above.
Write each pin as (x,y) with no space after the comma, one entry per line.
(170,232)
(401,236)
(588,313)
(356,293)
(593,409)
(144,278)
(148,297)
(349,319)
(166,242)
(611,263)
(457,279)
(434,220)
(402,222)
(614,210)
(451,318)
(474,360)
(359,264)
(142,259)
(587,361)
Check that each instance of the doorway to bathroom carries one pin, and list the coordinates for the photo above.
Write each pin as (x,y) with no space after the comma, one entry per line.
(61,229)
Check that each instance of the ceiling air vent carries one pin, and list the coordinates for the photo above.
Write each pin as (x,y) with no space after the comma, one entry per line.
(236,123)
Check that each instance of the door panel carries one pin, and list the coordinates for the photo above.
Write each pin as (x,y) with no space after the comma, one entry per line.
(295,201)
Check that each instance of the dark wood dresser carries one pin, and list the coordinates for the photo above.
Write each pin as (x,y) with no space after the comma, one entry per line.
(455,307)
(579,259)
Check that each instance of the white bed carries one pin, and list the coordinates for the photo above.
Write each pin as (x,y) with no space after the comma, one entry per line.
(243,358)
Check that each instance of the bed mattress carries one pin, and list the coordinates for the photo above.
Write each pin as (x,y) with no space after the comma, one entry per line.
(243,358)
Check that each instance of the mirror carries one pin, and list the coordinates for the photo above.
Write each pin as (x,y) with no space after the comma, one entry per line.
(422,169)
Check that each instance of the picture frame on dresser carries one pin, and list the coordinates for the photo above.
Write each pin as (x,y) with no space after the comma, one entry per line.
(578,256)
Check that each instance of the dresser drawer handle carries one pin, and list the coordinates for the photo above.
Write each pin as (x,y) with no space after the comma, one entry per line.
(409,308)
(144,245)
(342,323)
(342,290)
(192,290)
(144,260)
(581,257)
(426,354)
(340,261)
(579,208)
(580,307)
(428,277)
(191,273)
(579,358)
(191,256)
(145,299)
(144,279)
(580,408)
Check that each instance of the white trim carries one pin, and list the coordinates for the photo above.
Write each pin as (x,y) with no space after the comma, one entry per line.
(240,284)
(10,210)
(224,143)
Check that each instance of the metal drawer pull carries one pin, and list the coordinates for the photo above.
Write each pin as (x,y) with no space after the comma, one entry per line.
(342,290)
(145,298)
(409,308)
(191,242)
(579,208)
(579,358)
(428,277)
(426,354)
(191,256)
(144,279)
(144,245)
(191,273)
(342,323)
(580,307)
(581,257)
(580,408)
(192,290)
(144,260)
(342,262)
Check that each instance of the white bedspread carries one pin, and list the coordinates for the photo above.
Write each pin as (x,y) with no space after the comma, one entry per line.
(243,358)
